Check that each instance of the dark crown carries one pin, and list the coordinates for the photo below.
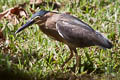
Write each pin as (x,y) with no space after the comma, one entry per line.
(40,13)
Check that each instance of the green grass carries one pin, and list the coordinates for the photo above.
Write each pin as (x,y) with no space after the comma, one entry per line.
(33,55)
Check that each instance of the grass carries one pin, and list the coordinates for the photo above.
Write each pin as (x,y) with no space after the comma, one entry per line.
(33,55)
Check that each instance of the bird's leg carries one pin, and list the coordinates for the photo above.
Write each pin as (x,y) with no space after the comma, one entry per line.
(78,61)
(71,55)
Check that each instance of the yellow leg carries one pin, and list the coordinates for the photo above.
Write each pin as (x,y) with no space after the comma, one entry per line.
(78,61)
(71,55)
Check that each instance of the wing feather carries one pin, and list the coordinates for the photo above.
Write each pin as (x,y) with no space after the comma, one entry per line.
(75,33)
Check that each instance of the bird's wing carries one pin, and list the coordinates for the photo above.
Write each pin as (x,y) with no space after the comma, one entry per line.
(75,21)
(75,31)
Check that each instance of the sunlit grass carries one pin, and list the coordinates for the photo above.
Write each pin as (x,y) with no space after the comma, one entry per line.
(32,52)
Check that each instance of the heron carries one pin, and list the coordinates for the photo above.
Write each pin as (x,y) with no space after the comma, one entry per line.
(67,29)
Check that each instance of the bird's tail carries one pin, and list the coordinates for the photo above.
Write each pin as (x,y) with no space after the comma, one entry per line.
(103,41)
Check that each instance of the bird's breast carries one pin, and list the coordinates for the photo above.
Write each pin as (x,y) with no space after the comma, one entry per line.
(52,33)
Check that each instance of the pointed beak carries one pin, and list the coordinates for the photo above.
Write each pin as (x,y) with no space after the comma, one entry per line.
(25,26)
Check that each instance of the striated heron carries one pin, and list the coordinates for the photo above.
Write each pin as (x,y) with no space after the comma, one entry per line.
(68,29)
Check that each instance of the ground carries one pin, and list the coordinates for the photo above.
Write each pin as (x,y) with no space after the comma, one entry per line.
(31,55)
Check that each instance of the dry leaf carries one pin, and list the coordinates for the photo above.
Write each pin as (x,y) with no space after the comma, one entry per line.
(38,3)
(2,38)
(33,11)
(14,14)
(18,11)
(3,14)
(1,35)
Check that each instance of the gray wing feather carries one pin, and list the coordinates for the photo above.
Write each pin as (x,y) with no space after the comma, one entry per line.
(75,21)
(80,34)
(75,34)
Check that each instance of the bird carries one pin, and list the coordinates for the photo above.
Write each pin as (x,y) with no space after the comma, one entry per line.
(69,30)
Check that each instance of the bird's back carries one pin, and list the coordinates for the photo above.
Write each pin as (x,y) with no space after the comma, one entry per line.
(80,34)
(72,31)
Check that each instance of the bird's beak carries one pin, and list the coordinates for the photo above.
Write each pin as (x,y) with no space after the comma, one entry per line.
(30,22)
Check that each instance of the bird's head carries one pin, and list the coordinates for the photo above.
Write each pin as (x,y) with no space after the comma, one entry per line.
(38,18)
